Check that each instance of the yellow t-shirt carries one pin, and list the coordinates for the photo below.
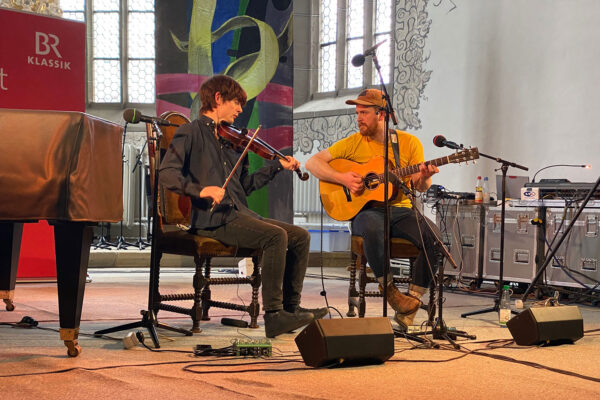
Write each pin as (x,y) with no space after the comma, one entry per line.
(361,149)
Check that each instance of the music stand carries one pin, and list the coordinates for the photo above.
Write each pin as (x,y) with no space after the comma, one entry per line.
(504,168)
(439,329)
(149,320)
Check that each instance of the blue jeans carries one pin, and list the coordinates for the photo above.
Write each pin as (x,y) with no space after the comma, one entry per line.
(403,224)
(285,255)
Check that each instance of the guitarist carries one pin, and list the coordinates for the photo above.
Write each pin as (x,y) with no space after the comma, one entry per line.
(361,147)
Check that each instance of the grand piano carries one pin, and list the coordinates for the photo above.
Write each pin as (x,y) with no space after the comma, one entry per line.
(63,167)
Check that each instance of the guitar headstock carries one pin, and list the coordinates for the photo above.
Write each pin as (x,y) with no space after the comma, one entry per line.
(464,155)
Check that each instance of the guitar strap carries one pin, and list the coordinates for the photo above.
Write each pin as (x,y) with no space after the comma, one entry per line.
(396,147)
(394,140)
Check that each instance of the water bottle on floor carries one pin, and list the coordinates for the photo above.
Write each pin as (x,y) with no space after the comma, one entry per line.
(504,309)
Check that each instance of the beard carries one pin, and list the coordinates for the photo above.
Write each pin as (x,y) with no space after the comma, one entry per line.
(368,130)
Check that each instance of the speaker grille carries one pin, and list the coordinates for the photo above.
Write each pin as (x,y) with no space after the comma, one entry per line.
(364,340)
(547,325)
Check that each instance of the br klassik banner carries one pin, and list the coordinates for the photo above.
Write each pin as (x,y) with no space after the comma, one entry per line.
(42,67)
(42,62)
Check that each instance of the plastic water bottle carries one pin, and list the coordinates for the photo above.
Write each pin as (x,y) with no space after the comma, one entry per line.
(478,191)
(485,190)
(504,309)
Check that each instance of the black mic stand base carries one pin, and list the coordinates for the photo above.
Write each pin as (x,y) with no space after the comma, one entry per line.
(149,322)
(415,337)
(103,242)
(439,330)
(140,243)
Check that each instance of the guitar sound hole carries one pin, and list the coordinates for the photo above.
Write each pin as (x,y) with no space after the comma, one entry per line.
(372,181)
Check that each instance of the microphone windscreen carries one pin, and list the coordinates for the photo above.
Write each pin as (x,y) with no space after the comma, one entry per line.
(439,140)
(132,116)
(358,60)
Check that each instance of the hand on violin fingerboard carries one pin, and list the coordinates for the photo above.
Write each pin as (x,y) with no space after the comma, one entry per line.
(290,163)
(214,192)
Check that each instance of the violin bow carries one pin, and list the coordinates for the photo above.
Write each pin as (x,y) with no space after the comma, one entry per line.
(237,165)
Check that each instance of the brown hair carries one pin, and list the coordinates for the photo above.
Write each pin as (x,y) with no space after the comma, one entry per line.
(227,86)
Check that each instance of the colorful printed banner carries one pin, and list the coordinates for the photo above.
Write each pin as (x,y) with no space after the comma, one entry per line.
(250,41)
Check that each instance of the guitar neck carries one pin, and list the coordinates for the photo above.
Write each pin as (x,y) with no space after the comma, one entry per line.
(413,169)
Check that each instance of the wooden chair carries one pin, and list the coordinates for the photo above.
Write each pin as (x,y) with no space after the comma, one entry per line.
(399,248)
(172,238)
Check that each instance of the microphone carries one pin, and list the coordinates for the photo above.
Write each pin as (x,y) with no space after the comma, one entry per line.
(441,141)
(133,116)
(588,166)
(359,59)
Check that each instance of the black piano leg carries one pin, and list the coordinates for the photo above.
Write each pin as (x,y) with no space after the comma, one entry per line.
(10,246)
(72,243)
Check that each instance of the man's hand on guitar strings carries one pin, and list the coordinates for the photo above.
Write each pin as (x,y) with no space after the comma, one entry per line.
(352,181)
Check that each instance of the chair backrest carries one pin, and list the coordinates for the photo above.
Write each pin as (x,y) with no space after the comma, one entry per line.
(173,209)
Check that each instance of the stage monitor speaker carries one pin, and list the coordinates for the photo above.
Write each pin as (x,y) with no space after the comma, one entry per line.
(550,325)
(350,340)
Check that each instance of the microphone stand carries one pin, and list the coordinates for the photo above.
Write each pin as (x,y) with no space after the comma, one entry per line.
(121,243)
(389,111)
(504,167)
(140,243)
(149,320)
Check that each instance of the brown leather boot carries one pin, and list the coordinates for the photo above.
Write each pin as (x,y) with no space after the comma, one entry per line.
(401,303)
(404,320)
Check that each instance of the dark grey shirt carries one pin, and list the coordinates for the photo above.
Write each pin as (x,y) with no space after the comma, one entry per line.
(196,159)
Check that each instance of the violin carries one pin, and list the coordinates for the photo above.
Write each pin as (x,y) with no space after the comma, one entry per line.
(239,138)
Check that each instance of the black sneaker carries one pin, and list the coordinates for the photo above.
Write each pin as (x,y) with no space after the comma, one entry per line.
(317,312)
(282,321)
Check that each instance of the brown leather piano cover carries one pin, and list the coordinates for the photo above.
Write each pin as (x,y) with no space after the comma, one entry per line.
(59,166)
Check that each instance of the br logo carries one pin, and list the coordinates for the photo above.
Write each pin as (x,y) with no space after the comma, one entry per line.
(46,42)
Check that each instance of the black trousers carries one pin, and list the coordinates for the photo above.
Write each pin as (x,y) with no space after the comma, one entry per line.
(285,255)
(403,224)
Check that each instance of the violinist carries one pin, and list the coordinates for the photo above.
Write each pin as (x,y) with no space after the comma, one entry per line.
(198,163)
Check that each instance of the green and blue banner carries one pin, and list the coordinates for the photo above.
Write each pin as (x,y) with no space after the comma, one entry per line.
(249,40)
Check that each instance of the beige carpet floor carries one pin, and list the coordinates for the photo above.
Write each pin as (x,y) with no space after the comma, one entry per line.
(34,364)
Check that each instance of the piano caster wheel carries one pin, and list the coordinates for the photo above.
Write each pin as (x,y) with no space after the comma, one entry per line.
(9,305)
(73,349)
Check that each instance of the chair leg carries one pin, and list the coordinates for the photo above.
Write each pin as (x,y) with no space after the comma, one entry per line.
(155,307)
(196,312)
(254,307)
(352,292)
(362,284)
(206,294)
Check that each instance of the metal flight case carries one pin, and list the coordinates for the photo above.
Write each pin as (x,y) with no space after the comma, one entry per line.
(579,252)
(521,242)
(460,223)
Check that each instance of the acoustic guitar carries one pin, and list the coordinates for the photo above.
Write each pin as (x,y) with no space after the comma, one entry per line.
(340,204)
